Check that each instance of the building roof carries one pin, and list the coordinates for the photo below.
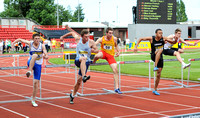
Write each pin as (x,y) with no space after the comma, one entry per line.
(84,24)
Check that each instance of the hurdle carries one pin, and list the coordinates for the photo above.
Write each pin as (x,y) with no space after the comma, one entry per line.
(188,78)
(179,83)
(40,87)
(106,91)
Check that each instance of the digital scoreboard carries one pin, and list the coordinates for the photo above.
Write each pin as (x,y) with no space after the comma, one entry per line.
(156,11)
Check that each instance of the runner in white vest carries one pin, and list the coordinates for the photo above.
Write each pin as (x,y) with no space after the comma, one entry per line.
(37,53)
(83,51)
(168,50)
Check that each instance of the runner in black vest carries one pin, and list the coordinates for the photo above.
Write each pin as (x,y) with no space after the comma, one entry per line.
(157,43)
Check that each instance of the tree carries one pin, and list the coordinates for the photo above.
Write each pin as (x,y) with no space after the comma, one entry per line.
(181,16)
(79,10)
(16,8)
(64,15)
(43,12)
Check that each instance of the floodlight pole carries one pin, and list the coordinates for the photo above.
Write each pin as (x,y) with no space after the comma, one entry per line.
(78,12)
(57,16)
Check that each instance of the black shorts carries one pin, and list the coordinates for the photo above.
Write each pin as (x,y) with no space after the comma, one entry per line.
(170,51)
(160,62)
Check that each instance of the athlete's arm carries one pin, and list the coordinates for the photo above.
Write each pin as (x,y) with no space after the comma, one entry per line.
(93,46)
(22,40)
(187,43)
(44,52)
(116,47)
(99,40)
(142,39)
(196,42)
(169,39)
(77,38)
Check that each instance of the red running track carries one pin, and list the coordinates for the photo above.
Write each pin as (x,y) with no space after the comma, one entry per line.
(129,105)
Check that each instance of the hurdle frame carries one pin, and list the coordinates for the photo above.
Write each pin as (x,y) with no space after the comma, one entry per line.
(188,78)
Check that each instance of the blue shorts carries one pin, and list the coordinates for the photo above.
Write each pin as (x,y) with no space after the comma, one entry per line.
(36,70)
(77,63)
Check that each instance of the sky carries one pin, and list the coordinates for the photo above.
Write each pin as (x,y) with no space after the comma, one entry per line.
(119,11)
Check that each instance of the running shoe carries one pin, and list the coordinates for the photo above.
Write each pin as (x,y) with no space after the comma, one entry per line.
(71,99)
(28,74)
(155,69)
(34,104)
(118,91)
(156,93)
(186,65)
(85,78)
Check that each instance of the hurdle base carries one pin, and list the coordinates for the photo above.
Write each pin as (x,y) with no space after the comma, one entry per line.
(48,98)
(14,101)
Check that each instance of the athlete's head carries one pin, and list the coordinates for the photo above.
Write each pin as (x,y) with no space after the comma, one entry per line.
(85,35)
(36,38)
(159,33)
(178,33)
(109,32)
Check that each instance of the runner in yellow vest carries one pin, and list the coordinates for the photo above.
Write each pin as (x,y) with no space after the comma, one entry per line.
(108,46)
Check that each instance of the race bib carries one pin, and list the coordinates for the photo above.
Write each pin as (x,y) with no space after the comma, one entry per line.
(159,47)
(107,47)
(83,53)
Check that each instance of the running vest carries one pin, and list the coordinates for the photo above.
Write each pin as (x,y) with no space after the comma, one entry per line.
(83,50)
(108,46)
(155,45)
(169,45)
(37,51)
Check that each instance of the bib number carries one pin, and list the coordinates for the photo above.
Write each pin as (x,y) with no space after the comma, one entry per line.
(108,47)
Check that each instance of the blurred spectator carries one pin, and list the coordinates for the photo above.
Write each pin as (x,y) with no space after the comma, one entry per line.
(16,47)
(46,45)
(62,45)
(1,46)
(4,46)
(24,47)
(49,44)
(53,45)
(8,43)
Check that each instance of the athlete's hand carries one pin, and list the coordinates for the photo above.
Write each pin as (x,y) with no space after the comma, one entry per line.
(45,56)
(135,49)
(61,38)
(117,54)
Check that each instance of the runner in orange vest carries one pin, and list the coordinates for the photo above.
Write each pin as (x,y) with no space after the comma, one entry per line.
(108,46)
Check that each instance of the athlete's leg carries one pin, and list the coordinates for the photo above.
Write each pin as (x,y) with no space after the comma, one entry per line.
(35,88)
(158,53)
(83,65)
(97,56)
(180,50)
(115,73)
(157,79)
(77,85)
(32,62)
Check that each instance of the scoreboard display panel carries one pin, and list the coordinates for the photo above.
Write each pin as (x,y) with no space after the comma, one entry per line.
(156,11)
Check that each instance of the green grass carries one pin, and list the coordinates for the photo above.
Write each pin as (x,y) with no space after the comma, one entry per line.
(170,70)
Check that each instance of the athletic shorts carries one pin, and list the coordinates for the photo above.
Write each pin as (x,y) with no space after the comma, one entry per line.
(160,62)
(78,63)
(109,58)
(53,46)
(62,45)
(170,51)
(36,70)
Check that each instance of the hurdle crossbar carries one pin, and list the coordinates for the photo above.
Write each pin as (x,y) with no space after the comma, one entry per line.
(188,79)
(179,84)
(106,91)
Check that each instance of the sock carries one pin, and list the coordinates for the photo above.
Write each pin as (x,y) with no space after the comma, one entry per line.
(183,63)
(29,72)
(72,95)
